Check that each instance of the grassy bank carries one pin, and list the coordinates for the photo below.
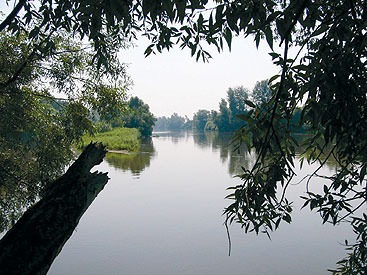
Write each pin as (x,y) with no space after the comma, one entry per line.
(118,139)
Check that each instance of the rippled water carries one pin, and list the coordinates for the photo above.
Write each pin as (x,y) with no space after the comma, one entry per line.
(161,213)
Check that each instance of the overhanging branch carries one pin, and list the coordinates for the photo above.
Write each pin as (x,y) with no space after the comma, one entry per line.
(12,15)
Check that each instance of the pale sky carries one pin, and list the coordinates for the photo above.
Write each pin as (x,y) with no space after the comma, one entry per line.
(174,82)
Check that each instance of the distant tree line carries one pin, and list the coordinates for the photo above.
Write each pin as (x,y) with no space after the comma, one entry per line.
(224,120)
(173,123)
(238,102)
(227,118)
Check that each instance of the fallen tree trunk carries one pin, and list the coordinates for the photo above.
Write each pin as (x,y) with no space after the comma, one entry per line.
(33,243)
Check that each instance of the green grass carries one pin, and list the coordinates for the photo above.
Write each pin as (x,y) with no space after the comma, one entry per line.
(118,139)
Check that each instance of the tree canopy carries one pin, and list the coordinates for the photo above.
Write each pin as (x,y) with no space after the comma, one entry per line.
(200,119)
(45,103)
(234,107)
(326,75)
(139,116)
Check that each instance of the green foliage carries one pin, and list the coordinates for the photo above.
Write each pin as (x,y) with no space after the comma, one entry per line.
(37,130)
(236,98)
(138,116)
(117,139)
(223,120)
(175,122)
(200,119)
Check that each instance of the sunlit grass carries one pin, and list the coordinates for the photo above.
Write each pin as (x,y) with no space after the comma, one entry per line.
(118,139)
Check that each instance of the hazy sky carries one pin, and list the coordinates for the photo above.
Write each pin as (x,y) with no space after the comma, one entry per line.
(174,82)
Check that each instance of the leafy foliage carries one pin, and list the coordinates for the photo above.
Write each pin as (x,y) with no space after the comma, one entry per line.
(138,116)
(223,120)
(200,119)
(37,128)
(237,105)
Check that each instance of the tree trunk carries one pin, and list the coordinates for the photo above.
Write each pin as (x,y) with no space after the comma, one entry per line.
(33,243)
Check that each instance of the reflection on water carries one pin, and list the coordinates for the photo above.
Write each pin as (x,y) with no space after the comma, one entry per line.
(175,137)
(221,142)
(134,162)
(15,200)
(169,221)
(241,159)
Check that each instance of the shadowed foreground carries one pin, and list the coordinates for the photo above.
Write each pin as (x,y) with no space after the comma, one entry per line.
(33,243)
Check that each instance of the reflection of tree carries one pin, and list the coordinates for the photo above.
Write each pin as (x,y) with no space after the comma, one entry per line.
(202,139)
(135,162)
(174,136)
(238,160)
(221,142)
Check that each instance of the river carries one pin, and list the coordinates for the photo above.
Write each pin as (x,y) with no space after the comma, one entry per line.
(161,213)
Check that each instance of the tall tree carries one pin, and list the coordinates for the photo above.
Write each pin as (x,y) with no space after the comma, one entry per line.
(175,122)
(200,119)
(262,92)
(237,98)
(161,124)
(224,118)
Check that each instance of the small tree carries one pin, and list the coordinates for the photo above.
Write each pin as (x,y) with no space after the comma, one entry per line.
(138,116)
(223,119)
(175,122)
(200,119)
(261,93)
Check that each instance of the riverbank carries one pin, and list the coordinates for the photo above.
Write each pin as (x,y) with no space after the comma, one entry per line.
(120,139)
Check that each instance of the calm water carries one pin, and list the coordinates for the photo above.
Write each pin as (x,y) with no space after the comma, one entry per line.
(161,213)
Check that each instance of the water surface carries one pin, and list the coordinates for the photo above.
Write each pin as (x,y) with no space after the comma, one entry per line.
(161,213)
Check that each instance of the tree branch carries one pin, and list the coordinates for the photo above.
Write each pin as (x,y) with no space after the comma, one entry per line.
(12,15)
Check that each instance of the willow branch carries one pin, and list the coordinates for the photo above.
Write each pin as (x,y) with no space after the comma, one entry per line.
(12,15)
